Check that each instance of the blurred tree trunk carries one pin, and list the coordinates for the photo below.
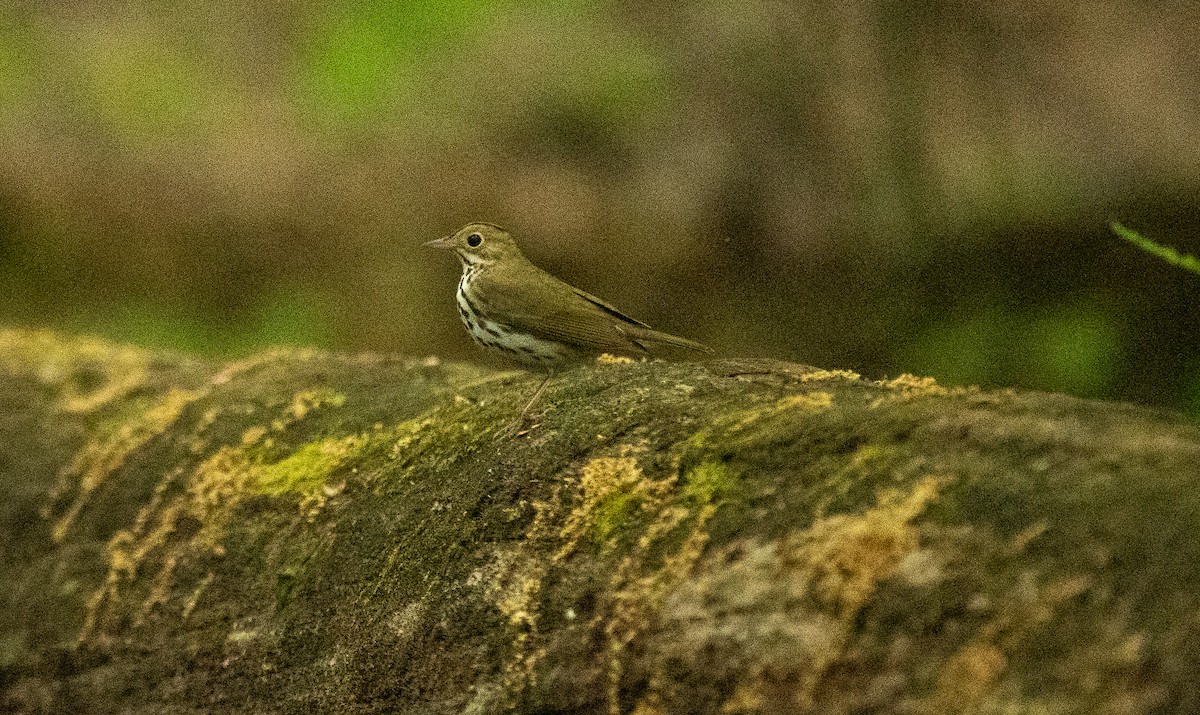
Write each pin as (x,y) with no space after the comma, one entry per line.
(304,532)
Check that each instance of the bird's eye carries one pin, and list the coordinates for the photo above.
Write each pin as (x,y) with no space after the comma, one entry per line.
(474,240)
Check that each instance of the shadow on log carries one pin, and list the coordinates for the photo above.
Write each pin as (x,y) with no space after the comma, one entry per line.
(303,532)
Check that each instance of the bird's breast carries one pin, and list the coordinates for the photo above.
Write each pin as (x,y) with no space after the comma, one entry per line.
(494,332)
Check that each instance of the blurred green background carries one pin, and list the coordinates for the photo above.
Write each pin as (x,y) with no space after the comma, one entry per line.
(877,186)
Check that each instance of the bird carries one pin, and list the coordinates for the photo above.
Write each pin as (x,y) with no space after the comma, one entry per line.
(512,307)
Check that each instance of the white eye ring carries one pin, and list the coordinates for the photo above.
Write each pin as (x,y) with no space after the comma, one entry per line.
(474,240)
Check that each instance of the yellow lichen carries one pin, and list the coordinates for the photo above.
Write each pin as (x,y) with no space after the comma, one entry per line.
(513,585)
(253,435)
(210,494)
(306,401)
(1108,665)
(747,697)
(404,623)
(817,375)
(218,485)
(408,432)
(866,462)
(512,582)
(265,357)
(810,402)
(638,590)
(846,556)
(87,372)
(99,458)
(88,375)
(650,705)
(907,387)
(966,678)
(786,608)
(777,416)
(842,559)
(303,403)
(612,496)
(611,491)
(913,386)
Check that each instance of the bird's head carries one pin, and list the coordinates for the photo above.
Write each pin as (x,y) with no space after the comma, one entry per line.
(479,244)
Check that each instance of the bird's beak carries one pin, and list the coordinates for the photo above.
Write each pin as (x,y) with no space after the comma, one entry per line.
(443,242)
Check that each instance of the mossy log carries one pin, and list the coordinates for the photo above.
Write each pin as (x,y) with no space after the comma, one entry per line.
(303,532)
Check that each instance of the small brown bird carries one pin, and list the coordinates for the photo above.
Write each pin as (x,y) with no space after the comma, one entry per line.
(513,307)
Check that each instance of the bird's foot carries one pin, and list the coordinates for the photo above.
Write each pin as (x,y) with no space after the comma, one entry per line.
(523,424)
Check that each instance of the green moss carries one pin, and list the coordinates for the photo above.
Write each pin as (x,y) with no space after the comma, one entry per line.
(306,470)
(613,512)
(869,459)
(707,483)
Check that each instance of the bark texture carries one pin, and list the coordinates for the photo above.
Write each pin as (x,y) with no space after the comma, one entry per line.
(304,532)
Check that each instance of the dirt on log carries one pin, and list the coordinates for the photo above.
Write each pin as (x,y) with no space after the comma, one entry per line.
(305,532)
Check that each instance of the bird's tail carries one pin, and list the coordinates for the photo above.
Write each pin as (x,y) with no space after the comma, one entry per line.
(642,336)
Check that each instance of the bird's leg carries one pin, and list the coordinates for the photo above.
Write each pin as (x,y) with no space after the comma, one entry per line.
(515,425)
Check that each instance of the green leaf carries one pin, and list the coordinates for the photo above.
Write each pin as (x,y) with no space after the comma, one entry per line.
(1168,254)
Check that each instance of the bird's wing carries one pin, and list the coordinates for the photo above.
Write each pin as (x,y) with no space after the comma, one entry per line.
(576,318)
(607,307)
(638,332)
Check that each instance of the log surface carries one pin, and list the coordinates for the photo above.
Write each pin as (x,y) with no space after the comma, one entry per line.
(304,532)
